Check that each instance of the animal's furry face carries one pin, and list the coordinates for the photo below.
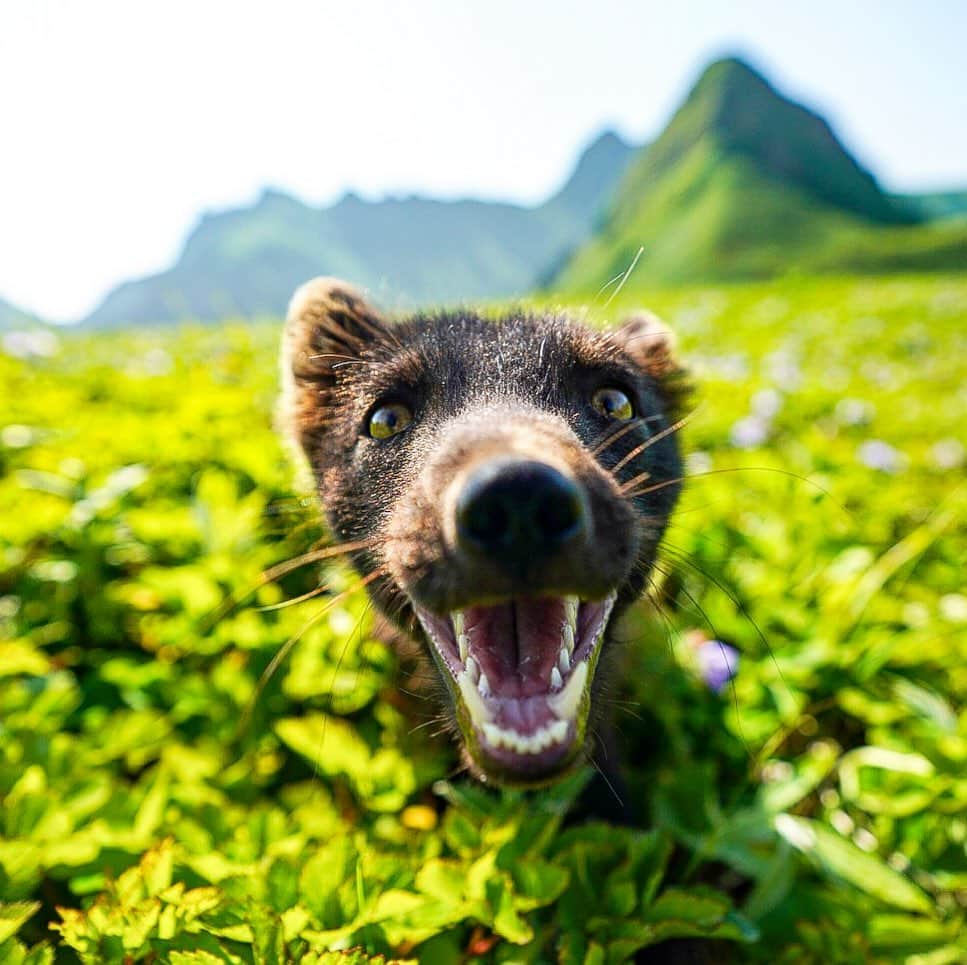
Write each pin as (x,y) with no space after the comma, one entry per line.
(510,479)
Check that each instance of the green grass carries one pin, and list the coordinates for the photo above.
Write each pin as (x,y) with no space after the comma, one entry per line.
(812,812)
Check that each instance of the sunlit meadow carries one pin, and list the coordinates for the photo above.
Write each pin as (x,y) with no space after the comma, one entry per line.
(792,713)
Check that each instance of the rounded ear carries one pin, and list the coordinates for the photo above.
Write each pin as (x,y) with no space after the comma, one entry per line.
(328,322)
(645,339)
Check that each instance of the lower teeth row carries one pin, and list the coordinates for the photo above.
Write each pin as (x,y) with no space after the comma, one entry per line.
(563,704)
(526,744)
(564,700)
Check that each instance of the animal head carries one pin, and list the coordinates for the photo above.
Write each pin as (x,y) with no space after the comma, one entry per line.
(508,480)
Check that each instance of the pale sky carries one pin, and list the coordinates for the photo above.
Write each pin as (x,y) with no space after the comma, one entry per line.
(123,120)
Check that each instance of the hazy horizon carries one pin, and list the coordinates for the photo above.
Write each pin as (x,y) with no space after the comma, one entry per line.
(132,122)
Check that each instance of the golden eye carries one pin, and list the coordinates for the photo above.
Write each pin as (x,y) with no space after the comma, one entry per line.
(388,420)
(614,404)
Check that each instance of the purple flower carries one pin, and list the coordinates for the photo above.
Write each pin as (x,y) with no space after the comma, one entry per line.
(717,663)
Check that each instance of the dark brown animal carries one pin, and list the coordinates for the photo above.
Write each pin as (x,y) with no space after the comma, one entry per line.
(508,480)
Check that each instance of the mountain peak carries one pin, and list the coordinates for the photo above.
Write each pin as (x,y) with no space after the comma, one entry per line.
(738,113)
(599,167)
(730,74)
(743,182)
(271,196)
(607,151)
(608,140)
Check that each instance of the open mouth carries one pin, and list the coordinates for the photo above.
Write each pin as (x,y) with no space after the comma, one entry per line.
(521,673)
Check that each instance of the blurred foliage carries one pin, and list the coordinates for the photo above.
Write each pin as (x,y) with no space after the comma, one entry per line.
(156,806)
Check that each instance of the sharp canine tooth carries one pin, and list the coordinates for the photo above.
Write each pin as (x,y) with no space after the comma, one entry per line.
(473,671)
(565,704)
(463,642)
(567,635)
(556,681)
(563,661)
(457,617)
(478,710)
(571,604)
(483,685)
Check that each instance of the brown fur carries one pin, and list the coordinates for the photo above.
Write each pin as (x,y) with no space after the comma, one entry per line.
(514,386)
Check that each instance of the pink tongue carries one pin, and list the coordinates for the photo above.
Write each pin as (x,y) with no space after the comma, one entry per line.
(516,644)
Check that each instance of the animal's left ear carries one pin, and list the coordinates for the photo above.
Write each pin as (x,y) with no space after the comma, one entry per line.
(650,344)
(329,324)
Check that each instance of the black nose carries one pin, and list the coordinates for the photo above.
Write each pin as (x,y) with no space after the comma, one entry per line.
(519,510)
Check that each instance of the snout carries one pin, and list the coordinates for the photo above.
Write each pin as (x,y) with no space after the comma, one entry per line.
(518,512)
(513,557)
(510,504)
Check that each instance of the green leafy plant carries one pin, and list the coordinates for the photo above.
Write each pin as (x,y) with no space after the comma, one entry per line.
(164,797)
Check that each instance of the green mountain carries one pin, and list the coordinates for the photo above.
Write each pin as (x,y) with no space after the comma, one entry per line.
(744,182)
(407,251)
(936,205)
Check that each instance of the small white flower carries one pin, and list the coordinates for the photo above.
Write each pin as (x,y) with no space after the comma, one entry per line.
(766,403)
(30,344)
(916,614)
(879,373)
(698,462)
(749,432)
(854,412)
(880,455)
(953,607)
(732,368)
(948,454)
(783,367)
(55,571)
(157,362)
(17,436)
(342,622)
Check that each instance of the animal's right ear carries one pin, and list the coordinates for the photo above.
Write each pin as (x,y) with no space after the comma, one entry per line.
(328,322)
(650,344)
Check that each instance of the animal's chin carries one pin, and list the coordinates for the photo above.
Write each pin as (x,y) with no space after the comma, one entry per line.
(520,672)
